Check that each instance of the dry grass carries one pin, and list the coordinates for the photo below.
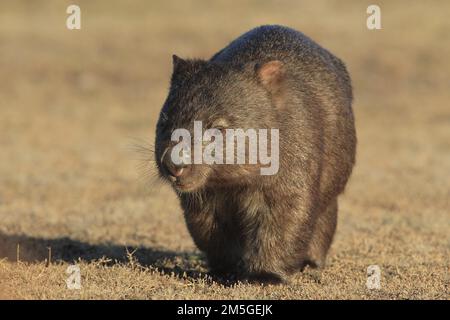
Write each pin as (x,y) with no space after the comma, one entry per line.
(72,104)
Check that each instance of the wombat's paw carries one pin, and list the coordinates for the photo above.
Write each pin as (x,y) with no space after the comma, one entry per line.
(312,263)
(266,278)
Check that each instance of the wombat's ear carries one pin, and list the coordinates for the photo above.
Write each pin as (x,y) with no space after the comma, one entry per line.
(183,69)
(271,76)
(177,62)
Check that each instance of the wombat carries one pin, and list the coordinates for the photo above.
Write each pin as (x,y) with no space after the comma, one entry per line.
(253,226)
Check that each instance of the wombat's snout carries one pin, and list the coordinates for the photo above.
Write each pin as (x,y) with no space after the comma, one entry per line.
(172,169)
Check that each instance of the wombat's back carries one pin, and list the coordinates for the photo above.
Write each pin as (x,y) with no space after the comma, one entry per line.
(302,55)
(269,41)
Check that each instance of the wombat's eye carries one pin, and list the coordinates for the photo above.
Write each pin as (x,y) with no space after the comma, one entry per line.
(220,124)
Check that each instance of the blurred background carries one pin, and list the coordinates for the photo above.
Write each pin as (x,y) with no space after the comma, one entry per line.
(75,103)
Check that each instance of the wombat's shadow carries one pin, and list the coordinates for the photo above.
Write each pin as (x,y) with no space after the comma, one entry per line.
(36,249)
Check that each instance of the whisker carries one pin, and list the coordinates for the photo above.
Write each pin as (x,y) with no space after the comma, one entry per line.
(144,155)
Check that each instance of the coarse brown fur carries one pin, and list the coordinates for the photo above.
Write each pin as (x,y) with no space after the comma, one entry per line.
(251,225)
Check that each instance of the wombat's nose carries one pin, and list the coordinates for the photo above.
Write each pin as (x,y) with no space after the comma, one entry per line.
(173,169)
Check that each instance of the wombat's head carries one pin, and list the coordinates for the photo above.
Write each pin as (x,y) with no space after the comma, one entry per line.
(214,95)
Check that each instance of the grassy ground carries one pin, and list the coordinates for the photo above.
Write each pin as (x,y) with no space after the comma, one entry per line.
(74,103)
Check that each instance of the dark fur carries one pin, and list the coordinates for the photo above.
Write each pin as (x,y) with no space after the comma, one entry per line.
(265,227)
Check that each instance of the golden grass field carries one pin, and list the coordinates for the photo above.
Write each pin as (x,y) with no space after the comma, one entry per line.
(74,105)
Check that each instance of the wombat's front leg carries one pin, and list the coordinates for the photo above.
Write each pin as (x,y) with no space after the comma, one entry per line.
(276,242)
(218,239)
